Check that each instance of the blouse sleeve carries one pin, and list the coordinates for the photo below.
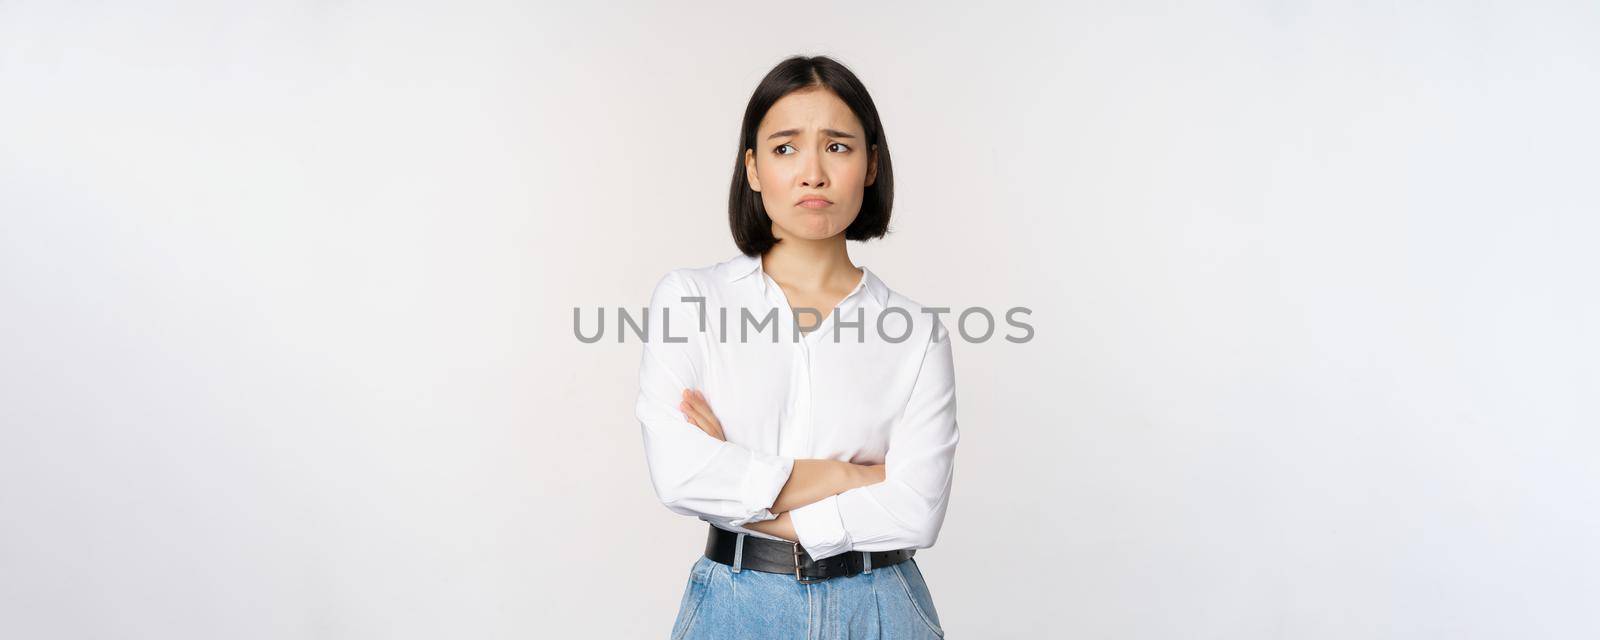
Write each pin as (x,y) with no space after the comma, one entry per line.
(692,472)
(907,509)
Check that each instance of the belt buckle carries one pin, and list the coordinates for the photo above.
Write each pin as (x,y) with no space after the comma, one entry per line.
(799,578)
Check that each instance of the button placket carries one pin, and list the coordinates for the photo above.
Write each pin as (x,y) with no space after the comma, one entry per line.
(792,437)
(794,428)
(800,426)
(803,398)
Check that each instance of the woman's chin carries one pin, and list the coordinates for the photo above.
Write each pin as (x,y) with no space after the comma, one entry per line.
(813,227)
(812,235)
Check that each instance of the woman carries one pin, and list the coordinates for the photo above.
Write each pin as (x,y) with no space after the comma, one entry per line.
(820,451)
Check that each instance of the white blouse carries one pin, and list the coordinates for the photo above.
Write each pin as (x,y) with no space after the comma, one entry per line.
(844,391)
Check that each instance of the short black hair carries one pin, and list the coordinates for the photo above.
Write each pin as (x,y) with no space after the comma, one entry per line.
(747,217)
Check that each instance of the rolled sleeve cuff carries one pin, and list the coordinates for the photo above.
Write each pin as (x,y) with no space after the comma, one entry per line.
(820,528)
(763,480)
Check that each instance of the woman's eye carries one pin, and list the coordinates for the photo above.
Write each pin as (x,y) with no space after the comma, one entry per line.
(780,149)
(843,146)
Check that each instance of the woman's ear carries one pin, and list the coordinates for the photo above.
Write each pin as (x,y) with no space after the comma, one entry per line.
(750,170)
(872,166)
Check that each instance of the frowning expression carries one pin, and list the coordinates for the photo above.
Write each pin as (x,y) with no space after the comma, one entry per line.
(811,163)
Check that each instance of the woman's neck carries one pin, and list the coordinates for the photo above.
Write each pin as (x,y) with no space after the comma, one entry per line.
(811,265)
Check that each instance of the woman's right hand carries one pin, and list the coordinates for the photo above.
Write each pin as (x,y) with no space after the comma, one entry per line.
(871,473)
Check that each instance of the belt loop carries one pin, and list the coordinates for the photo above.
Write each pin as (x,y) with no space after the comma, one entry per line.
(738,554)
(866,562)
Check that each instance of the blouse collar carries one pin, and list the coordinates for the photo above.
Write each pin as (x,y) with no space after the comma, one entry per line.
(742,265)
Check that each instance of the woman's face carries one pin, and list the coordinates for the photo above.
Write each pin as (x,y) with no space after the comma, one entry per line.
(811,164)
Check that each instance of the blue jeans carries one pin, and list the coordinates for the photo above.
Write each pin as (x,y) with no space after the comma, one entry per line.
(888,603)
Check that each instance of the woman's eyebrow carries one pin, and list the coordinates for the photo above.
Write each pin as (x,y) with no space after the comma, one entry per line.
(832,133)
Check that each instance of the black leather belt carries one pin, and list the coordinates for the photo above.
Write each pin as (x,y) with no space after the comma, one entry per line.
(781,556)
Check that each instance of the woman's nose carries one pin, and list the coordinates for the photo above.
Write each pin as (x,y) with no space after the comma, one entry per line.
(811,175)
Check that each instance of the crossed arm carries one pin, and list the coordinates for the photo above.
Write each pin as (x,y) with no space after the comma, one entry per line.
(810,480)
(827,506)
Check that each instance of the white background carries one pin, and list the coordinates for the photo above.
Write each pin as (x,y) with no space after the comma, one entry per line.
(286,344)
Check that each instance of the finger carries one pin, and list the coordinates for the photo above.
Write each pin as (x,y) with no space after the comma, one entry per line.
(710,429)
(687,404)
(699,400)
(704,407)
(689,411)
(707,421)
(696,416)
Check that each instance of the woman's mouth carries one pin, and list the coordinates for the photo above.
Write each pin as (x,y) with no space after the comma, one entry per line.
(815,202)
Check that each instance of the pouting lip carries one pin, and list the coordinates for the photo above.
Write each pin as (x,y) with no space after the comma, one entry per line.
(813,199)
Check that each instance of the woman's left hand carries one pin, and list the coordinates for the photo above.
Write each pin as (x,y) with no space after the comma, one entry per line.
(698,411)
